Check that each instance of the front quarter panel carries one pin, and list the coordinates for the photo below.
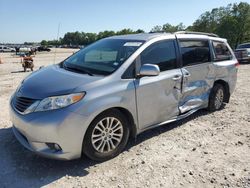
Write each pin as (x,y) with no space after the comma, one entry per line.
(119,93)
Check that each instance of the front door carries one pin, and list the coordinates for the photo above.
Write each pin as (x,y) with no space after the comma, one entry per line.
(158,96)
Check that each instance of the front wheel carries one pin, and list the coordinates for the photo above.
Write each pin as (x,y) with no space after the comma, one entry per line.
(106,136)
(216,98)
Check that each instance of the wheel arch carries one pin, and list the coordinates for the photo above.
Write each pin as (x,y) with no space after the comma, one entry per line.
(131,121)
(126,113)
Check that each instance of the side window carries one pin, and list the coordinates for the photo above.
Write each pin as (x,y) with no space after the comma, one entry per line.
(161,54)
(221,51)
(194,52)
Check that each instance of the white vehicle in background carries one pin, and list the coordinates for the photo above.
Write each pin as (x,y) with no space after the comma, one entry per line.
(24,49)
(7,49)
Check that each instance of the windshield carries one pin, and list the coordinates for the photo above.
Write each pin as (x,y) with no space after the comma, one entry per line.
(102,57)
(244,46)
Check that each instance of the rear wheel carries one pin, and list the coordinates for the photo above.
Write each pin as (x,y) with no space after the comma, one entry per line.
(216,98)
(106,136)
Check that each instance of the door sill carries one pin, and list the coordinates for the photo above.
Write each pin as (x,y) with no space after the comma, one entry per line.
(179,117)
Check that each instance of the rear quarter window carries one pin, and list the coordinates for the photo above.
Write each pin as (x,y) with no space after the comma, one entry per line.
(221,51)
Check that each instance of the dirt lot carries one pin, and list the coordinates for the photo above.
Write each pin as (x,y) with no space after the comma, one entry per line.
(204,150)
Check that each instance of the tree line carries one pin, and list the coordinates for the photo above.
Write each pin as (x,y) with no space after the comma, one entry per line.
(231,22)
(82,38)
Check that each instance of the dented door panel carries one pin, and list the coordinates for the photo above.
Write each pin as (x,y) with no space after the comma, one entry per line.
(158,97)
(196,86)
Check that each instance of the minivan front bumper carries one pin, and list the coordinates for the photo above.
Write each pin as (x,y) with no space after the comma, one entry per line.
(41,131)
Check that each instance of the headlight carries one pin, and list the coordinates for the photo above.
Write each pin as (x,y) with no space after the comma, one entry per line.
(56,102)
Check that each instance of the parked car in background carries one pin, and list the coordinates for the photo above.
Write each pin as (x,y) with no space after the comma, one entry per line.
(242,53)
(118,87)
(24,49)
(43,48)
(7,49)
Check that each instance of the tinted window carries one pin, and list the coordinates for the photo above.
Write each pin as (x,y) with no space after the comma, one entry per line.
(161,54)
(194,52)
(221,51)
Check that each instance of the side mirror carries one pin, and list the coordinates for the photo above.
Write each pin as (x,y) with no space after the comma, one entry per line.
(149,70)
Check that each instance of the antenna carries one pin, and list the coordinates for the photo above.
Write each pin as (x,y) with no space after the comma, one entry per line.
(58,31)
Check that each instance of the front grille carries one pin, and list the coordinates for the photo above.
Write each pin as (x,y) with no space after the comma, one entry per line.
(22,103)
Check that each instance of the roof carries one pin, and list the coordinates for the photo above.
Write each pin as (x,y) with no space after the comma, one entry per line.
(140,36)
(149,36)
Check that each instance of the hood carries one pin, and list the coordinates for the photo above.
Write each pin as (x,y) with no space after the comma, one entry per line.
(53,81)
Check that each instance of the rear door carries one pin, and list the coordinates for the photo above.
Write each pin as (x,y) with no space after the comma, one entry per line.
(198,73)
(158,96)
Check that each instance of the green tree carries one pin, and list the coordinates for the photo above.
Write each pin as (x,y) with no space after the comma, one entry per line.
(44,43)
(82,38)
(241,15)
(139,31)
(173,28)
(168,28)
(156,28)
(231,22)
(105,34)
(125,32)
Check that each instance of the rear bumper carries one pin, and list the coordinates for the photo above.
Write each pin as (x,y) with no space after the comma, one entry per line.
(36,131)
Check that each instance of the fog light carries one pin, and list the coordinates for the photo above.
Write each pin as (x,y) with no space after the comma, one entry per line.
(54,146)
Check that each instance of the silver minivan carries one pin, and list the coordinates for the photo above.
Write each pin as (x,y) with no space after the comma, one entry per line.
(118,87)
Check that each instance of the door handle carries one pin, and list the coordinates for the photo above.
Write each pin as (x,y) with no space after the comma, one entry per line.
(176,77)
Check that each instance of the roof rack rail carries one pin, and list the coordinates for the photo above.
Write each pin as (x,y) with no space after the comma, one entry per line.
(197,33)
(157,32)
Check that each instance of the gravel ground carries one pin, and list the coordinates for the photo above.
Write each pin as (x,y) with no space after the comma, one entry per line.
(204,150)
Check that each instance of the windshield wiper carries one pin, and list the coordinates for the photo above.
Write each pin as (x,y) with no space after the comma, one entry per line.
(84,71)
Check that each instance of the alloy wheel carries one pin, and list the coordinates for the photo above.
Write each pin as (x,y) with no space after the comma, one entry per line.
(107,135)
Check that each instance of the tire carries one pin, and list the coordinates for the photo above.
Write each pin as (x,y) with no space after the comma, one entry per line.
(103,149)
(216,98)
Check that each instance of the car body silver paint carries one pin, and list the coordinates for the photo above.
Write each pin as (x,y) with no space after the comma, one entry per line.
(152,101)
(157,98)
